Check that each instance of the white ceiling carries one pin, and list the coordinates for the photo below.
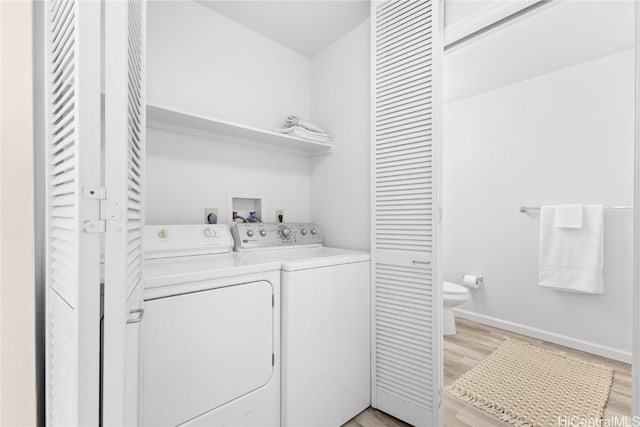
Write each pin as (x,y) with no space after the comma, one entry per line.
(553,37)
(306,26)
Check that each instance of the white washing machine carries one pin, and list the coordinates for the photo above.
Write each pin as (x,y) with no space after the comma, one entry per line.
(211,331)
(325,322)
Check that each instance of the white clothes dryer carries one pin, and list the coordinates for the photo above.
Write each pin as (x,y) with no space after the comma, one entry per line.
(325,321)
(211,331)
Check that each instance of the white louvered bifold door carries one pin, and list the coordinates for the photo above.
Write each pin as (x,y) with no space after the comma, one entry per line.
(124,174)
(406,303)
(72,61)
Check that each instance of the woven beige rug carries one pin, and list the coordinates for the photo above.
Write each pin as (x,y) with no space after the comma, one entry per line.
(526,385)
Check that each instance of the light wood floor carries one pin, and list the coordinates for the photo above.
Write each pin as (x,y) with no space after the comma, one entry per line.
(473,343)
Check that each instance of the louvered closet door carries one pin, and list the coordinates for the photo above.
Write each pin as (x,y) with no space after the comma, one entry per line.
(124,174)
(407,367)
(72,58)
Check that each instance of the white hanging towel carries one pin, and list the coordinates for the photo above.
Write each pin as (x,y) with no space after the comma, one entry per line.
(572,259)
(569,216)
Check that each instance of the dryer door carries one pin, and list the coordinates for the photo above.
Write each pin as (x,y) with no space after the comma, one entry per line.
(205,349)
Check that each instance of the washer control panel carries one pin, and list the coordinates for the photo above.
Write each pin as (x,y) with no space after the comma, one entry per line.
(259,235)
(161,241)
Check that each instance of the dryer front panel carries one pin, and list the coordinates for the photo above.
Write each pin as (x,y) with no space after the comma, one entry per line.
(205,349)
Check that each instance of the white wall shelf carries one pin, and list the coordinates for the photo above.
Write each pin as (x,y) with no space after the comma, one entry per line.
(159,117)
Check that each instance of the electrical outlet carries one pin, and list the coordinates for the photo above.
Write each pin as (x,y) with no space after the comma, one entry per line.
(279,215)
(209,211)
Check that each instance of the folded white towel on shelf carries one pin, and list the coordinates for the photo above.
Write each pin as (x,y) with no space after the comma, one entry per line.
(295,126)
(305,134)
(293,121)
(572,259)
(569,216)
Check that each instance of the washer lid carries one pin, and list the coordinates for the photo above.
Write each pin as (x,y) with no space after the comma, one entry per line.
(306,258)
(454,289)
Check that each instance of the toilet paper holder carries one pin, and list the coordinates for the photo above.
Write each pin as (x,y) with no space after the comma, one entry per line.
(472,281)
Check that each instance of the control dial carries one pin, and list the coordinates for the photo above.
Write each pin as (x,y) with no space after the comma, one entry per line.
(263,233)
(209,232)
(303,231)
(250,233)
(284,233)
(314,231)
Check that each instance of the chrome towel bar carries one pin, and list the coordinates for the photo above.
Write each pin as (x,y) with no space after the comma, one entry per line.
(525,209)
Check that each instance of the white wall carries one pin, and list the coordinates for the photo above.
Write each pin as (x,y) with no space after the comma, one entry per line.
(203,62)
(563,137)
(17,282)
(340,181)
(186,174)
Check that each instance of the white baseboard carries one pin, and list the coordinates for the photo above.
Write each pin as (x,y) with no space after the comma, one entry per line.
(589,347)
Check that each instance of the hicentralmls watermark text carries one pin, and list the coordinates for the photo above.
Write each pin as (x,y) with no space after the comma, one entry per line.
(618,421)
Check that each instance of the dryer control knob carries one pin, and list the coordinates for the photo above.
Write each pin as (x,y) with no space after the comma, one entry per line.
(303,231)
(163,234)
(209,232)
(285,232)
(263,233)
(314,231)
(250,233)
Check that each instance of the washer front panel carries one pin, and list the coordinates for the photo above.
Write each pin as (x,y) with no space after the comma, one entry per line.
(325,344)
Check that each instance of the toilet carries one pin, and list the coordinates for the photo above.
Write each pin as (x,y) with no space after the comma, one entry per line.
(453,296)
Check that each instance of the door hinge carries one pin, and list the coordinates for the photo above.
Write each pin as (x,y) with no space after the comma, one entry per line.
(273,300)
(273,359)
(109,210)
(94,226)
(99,193)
